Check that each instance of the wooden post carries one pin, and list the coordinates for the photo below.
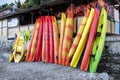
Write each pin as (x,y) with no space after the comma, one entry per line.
(18,22)
(2,28)
(7,29)
(119,27)
(32,14)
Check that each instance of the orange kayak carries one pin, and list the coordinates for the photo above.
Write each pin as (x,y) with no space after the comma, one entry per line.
(67,36)
(55,39)
(30,56)
(77,38)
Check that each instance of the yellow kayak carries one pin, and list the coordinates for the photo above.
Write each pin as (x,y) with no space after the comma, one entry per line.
(82,42)
(20,46)
(62,32)
(11,57)
(19,50)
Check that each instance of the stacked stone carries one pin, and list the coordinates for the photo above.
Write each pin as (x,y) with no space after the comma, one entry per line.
(5,48)
(110,61)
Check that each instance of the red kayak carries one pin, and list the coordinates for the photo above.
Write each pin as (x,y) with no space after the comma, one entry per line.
(51,42)
(47,39)
(39,45)
(43,42)
(88,50)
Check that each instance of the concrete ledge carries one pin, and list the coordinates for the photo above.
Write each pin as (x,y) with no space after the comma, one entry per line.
(113,37)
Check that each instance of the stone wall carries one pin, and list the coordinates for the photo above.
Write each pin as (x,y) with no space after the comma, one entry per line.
(5,48)
(5,45)
(110,61)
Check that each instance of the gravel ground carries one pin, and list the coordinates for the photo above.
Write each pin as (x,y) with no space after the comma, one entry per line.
(45,71)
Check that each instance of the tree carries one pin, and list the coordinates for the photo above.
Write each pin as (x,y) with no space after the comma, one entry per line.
(27,1)
(4,5)
(36,2)
(11,4)
(18,3)
(30,3)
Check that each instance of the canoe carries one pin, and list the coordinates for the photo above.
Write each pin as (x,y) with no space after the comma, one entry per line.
(77,39)
(88,49)
(99,41)
(79,49)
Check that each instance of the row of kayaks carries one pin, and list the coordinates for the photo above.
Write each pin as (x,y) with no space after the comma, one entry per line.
(45,44)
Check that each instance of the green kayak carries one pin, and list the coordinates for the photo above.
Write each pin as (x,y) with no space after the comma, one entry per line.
(99,41)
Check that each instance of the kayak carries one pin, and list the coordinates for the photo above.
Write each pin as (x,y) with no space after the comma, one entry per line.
(82,42)
(43,42)
(11,57)
(19,49)
(34,44)
(88,50)
(55,39)
(46,26)
(39,45)
(27,37)
(62,32)
(30,56)
(77,39)
(51,42)
(67,36)
(99,41)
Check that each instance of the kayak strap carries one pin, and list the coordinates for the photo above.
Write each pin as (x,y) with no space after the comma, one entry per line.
(101,26)
(92,55)
(57,57)
(98,34)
